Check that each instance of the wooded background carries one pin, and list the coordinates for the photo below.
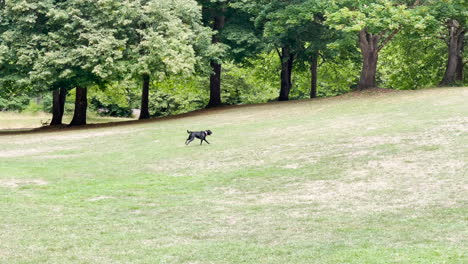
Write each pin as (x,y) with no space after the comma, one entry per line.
(171,56)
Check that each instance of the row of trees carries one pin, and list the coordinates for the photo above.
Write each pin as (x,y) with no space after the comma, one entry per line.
(61,45)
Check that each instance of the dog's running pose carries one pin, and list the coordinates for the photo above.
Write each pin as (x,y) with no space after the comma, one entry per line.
(198,134)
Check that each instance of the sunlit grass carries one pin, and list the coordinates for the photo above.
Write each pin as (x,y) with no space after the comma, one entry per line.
(360,178)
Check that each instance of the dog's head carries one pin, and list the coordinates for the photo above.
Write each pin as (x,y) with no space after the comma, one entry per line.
(209,132)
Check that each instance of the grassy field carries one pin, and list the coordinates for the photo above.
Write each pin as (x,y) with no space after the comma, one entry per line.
(360,178)
(24,121)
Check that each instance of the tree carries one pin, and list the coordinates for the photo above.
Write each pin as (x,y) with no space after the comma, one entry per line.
(295,30)
(23,30)
(18,41)
(214,16)
(376,23)
(89,47)
(279,35)
(59,96)
(165,38)
(235,38)
(306,22)
(73,43)
(453,15)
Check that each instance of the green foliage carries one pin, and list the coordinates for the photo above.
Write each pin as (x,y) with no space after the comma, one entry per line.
(33,107)
(166,38)
(404,65)
(114,110)
(66,43)
(258,81)
(375,16)
(19,38)
(297,25)
(238,39)
(164,104)
(178,94)
(449,9)
(14,103)
(337,77)
(253,82)
(46,102)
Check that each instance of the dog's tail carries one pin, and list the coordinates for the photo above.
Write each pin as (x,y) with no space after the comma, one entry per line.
(188,131)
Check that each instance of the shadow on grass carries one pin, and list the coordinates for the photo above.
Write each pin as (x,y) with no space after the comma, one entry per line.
(59,128)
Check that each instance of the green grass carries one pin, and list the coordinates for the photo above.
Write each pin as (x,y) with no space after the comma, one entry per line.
(361,178)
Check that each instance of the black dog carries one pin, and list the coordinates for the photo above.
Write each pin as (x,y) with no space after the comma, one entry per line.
(198,134)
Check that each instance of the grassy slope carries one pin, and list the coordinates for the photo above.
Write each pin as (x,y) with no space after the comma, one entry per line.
(354,179)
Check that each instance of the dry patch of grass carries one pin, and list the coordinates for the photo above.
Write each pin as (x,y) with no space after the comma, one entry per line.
(31,151)
(388,189)
(14,183)
(381,174)
(13,120)
(99,198)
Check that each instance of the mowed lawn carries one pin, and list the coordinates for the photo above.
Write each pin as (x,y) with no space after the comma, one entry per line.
(361,178)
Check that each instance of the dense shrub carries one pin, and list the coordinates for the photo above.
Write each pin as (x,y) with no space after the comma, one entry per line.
(14,103)
(111,109)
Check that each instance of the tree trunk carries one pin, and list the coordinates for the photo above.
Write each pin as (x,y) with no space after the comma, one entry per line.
(215,78)
(81,105)
(290,69)
(58,106)
(63,97)
(454,68)
(369,49)
(144,113)
(313,74)
(460,63)
(215,85)
(287,61)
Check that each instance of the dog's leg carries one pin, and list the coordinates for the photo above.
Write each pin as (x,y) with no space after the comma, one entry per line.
(206,141)
(189,139)
(201,142)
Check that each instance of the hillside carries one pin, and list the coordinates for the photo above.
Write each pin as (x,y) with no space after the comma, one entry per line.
(361,178)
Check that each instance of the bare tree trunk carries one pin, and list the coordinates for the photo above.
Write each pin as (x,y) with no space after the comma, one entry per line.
(369,49)
(313,76)
(81,105)
(287,61)
(215,78)
(455,58)
(58,106)
(144,113)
